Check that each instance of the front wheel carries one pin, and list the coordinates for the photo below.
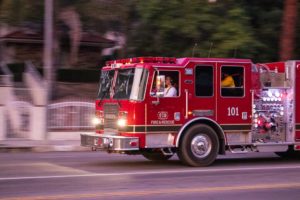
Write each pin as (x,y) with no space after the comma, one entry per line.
(199,146)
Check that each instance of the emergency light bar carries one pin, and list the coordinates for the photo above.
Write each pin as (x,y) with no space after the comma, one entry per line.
(168,60)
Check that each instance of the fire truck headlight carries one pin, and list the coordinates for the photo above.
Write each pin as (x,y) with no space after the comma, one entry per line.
(122,122)
(96,121)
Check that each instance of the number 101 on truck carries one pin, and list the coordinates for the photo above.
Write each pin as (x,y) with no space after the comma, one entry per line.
(197,108)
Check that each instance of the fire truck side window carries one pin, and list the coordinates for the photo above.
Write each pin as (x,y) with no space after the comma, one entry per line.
(232,81)
(172,83)
(204,81)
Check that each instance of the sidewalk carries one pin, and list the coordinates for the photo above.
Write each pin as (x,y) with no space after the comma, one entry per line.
(22,145)
(63,142)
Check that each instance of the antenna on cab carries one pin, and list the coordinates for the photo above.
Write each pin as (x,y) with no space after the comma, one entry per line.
(211,45)
(235,52)
(195,45)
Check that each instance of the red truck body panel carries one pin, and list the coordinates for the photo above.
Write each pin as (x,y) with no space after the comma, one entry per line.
(297,100)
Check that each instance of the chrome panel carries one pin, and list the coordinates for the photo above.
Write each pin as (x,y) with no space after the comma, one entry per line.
(111,112)
(272,148)
(156,140)
(238,138)
(109,142)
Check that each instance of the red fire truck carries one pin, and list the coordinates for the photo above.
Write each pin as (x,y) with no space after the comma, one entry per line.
(217,106)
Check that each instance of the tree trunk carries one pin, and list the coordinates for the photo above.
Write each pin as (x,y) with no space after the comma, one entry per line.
(288,29)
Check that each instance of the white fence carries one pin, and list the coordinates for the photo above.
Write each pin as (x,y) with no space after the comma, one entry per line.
(24,112)
(70,116)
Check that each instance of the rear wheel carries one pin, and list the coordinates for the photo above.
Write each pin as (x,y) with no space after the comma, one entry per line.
(290,153)
(156,156)
(199,146)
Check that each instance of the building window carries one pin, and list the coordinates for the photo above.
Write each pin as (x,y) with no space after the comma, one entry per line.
(204,81)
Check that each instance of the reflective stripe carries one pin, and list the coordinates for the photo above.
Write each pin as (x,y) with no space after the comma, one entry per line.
(174,128)
(132,128)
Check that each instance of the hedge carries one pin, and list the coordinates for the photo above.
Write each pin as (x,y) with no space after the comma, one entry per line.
(78,75)
(62,75)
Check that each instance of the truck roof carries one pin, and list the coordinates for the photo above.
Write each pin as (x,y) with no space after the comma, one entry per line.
(183,61)
(169,61)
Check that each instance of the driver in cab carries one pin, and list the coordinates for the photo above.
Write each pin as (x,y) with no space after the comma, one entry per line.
(170,90)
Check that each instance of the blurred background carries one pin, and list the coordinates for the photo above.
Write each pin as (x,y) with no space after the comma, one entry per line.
(51,51)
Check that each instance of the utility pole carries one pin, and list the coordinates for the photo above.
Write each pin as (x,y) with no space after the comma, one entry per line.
(48,46)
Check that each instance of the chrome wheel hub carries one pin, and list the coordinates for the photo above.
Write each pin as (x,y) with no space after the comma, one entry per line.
(201,145)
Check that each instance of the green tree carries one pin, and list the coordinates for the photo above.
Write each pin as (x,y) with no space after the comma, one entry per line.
(233,36)
(171,28)
(265,23)
(16,12)
(244,28)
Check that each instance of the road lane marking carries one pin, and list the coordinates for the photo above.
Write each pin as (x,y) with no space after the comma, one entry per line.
(283,167)
(162,191)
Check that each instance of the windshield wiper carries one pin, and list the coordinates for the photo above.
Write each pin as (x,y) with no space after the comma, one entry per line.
(114,90)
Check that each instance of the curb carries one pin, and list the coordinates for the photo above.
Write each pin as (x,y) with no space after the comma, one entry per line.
(59,148)
(10,148)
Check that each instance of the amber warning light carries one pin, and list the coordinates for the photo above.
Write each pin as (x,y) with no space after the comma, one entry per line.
(166,60)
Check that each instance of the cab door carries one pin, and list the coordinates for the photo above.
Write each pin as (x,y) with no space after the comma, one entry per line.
(165,114)
(234,107)
(202,98)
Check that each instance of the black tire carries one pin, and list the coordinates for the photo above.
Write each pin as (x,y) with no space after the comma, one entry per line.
(290,153)
(156,156)
(199,146)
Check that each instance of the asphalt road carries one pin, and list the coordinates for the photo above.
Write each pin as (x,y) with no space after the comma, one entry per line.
(97,175)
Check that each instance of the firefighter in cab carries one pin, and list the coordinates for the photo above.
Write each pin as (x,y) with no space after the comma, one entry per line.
(170,90)
(227,80)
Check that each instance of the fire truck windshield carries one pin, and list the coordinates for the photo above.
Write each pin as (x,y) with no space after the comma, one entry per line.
(130,84)
(106,80)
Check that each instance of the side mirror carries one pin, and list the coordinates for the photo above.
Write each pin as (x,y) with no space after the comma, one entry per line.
(160,85)
(159,89)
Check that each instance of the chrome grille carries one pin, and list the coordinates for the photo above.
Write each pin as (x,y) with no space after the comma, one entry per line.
(111,112)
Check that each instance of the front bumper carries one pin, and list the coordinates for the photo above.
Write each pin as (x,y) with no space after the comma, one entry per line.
(110,142)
